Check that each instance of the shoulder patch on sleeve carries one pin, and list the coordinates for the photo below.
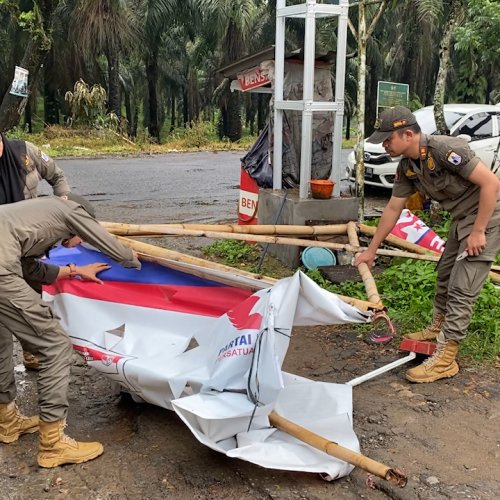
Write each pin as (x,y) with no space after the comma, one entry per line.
(453,158)
(44,156)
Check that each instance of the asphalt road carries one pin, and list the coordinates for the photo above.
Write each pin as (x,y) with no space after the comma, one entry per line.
(176,187)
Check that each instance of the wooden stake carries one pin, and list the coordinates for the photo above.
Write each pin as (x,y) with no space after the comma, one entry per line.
(335,450)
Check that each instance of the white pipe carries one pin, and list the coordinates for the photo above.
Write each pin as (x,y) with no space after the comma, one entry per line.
(382,369)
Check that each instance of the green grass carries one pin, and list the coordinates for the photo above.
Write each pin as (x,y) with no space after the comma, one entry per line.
(407,289)
(63,141)
(60,141)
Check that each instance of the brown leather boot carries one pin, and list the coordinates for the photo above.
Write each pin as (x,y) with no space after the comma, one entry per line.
(56,448)
(13,423)
(31,361)
(431,331)
(441,364)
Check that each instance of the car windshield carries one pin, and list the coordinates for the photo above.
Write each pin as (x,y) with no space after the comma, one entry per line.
(425,118)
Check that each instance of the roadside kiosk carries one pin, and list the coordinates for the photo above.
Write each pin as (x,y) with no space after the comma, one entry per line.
(304,137)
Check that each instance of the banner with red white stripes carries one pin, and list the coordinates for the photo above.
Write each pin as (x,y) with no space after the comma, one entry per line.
(211,352)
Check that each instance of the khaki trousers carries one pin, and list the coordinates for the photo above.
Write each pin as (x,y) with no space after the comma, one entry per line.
(459,282)
(24,315)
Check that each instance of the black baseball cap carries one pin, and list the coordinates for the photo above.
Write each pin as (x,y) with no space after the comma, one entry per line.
(391,119)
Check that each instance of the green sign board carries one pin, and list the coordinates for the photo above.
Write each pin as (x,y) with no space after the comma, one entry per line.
(392,94)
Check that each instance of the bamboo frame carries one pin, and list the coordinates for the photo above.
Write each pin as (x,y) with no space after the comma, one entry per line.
(416,252)
(219,272)
(279,240)
(335,450)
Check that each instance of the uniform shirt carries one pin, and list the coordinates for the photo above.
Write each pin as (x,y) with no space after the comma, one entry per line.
(442,172)
(39,166)
(30,228)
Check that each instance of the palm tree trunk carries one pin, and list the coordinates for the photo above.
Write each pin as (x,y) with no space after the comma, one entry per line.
(233,117)
(12,106)
(114,95)
(172,112)
(50,100)
(28,113)
(152,77)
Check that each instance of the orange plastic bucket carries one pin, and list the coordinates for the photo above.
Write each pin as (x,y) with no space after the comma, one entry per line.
(321,189)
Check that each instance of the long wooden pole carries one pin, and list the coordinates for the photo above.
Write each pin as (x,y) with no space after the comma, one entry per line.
(335,450)
(206,269)
(364,270)
(123,229)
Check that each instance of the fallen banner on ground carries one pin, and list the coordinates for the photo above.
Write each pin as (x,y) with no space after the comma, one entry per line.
(212,353)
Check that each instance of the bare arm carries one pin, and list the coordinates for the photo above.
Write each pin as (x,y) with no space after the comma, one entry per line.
(388,220)
(488,198)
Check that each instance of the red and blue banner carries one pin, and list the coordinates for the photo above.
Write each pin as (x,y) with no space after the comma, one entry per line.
(212,353)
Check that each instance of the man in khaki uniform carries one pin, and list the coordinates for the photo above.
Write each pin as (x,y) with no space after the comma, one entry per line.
(22,166)
(29,230)
(446,170)
(30,164)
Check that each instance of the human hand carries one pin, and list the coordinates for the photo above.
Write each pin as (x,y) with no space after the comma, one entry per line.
(476,243)
(90,271)
(367,257)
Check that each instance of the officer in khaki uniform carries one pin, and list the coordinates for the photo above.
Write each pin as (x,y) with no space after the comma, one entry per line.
(33,165)
(446,170)
(29,229)
(22,166)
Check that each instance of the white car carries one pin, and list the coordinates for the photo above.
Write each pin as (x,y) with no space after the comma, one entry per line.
(477,123)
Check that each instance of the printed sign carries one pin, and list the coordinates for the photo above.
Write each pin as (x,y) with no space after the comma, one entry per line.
(252,79)
(19,85)
(391,94)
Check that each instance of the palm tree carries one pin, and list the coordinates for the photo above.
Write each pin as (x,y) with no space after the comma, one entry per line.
(105,27)
(159,20)
(232,23)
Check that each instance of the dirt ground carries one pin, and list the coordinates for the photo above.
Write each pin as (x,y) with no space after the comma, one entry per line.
(445,435)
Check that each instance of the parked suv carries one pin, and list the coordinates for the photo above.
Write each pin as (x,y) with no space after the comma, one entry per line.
(477,123)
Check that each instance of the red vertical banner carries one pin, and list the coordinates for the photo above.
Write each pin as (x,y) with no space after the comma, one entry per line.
(249,199)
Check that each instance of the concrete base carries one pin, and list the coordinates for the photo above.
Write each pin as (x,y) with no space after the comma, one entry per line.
(295,211)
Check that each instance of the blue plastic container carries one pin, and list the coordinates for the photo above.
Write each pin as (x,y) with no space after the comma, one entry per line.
(314,257)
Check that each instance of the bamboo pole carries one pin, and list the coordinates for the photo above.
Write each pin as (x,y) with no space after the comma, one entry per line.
(278,240)
(364,270)
(146,230)
(206,269)
(335,450)
(123,229)
(219,272)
